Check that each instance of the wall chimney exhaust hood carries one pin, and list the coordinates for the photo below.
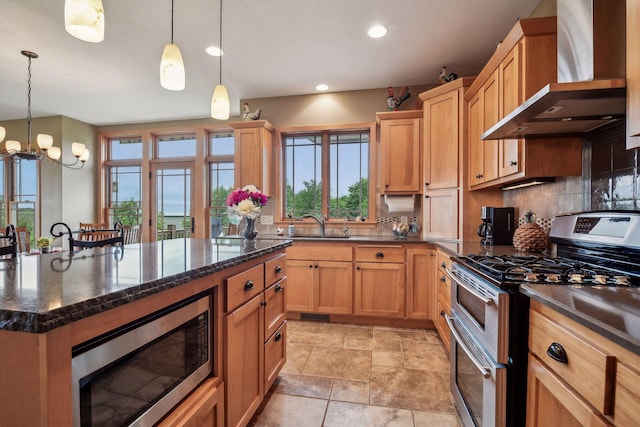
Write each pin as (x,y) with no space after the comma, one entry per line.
(590,92)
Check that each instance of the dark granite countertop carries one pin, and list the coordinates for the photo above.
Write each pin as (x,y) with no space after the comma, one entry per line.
(42,292)
(613,312)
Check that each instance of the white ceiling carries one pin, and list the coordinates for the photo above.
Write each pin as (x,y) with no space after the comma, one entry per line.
(272,48)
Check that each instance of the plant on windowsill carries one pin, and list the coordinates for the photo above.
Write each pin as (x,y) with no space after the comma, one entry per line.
(44,244)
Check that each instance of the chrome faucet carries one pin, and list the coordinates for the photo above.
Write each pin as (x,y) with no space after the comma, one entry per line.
(321,220)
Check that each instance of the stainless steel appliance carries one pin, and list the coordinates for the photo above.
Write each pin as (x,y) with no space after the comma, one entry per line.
(489,316)
(498,225)
(133,376)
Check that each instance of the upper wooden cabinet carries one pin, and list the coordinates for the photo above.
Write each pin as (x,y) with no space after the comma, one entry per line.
(523,63)
(400,151)
(253,158)
(633,73)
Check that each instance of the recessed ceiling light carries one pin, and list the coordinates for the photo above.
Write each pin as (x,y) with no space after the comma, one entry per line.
(322,87)
(214,51)
(377,31)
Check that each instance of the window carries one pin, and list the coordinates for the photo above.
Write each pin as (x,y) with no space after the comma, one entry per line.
(25,195)
(327,172)
(176,146)
(124,181)
(221,180)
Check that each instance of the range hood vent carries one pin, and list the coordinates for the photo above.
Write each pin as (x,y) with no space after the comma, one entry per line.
(590,92)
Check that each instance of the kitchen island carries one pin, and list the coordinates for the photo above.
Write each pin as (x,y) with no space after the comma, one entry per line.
(51,303)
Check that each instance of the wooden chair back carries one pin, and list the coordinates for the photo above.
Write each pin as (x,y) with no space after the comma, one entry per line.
(131,234)
(9,246)
(96,236)
(92,226)
(23,240)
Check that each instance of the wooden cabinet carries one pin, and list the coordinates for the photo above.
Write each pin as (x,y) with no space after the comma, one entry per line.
(576,376)
(400,136)
(421,296)
(379,281)
(523,63)
(255,331)
(633,74)
(440,211)
(443,286)
(253,157)
(320,278)
(203,408)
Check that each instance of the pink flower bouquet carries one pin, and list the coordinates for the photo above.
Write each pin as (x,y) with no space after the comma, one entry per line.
(246,201)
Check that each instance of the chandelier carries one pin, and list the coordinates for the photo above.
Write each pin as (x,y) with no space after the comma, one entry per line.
(48,154)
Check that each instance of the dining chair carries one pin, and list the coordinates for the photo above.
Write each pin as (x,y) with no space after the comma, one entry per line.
(8,245)
(92,226)
(23,240)
(131,234)
(89,239)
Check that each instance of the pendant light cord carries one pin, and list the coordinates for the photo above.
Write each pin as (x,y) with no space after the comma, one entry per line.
(171,21)
(221,52)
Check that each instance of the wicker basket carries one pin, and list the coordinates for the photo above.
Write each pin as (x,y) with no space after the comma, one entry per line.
(530,237)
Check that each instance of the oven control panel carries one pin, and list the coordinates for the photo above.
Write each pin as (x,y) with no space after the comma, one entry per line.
(616,228)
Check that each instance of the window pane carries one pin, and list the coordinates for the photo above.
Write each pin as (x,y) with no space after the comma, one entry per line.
(349,170)
(176,146)
(221,144)
(221,185)
(126,148)
(125,194)
(303,164)
(26,186)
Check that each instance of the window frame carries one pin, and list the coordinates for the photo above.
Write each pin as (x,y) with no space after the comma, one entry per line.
(326,130)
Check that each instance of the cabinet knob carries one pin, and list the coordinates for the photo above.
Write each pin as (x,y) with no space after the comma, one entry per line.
(442,313)
(426,196)
(279,288)
(442,279)
(310,266)
(278,269)
(379,255)
(557,353)
(426,183)
(263,303)
(357,268)
(248,285)
(316,266)
(513,163)
(277,337)
(386,185)
(443,265)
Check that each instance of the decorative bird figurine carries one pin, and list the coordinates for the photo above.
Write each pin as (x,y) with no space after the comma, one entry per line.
(393,102)
(248,115)
(444,77)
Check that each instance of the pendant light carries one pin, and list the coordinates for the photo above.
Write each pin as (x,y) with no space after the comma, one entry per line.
(171,65)
(220,98)
(84,19)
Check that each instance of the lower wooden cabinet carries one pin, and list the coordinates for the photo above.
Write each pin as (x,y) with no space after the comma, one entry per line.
(627,394)
(379,281)
(320,286)
(443,286)
(421,298)
(203,408)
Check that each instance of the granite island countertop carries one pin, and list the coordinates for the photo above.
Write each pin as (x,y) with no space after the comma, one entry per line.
(41,292)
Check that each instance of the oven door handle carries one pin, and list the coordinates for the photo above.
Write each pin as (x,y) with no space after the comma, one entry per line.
(485,300)
(484,370)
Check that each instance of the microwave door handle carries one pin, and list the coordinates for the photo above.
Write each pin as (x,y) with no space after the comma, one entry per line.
(473,292)
(485,371)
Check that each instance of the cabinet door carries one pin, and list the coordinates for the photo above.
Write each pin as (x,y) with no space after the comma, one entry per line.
(379,289)
(421,294)
(244,361)
(299,296)
(400,155)
(441,139)
(510,78)
(443,327)
(627,395)
(203,408)
(476,145)
(274,308)
(550,402)
(633,74)
(490,108)
(275,355)
(333,292)
(253,157)
(440,212)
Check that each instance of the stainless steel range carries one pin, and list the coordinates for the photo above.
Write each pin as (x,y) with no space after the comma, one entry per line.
(489,316)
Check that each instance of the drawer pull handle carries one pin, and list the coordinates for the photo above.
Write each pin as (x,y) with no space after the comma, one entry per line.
(248,286)
(557,353)
(277,337)
(279,287)
(379,255)
(278,269)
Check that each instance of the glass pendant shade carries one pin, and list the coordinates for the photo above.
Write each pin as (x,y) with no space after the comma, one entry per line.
(77,148)
(172,68)
(54,153)
(44,141)
(85,156)
(12,146)
(84,19)
(3,133)
(220,103)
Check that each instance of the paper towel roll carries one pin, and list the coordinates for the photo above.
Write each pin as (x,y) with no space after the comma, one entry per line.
(399,203)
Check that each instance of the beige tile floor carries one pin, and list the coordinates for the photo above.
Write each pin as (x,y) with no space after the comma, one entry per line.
(350,375)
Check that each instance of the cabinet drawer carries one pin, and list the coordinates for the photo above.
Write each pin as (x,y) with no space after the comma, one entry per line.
(274,309)
(275,270)
(444,290)
(442,327)
(320,251)
(379,254)
(275,355)
(586,368)
(243,286)
(444,261)
(627,396)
